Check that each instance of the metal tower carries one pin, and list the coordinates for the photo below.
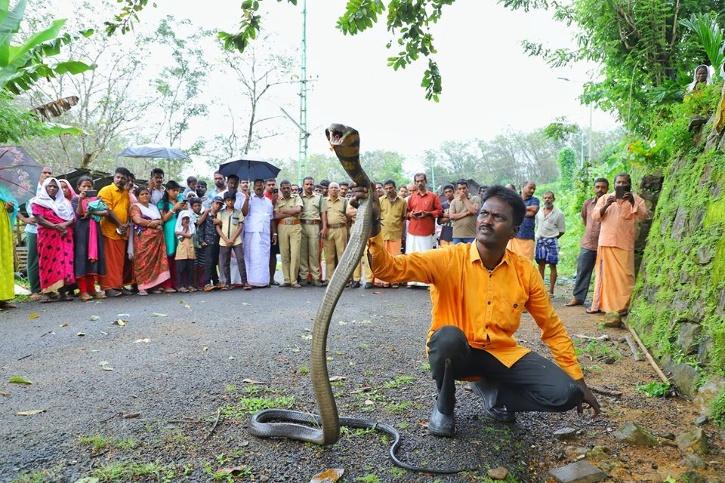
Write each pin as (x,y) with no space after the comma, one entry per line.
(304,134)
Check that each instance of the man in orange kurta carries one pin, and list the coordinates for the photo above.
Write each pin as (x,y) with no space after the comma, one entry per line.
(114,228)
(618,213)
(479,291)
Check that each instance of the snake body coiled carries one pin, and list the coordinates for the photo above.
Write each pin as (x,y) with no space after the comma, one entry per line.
(283,423)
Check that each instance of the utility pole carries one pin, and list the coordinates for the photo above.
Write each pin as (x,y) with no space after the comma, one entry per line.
(304,135)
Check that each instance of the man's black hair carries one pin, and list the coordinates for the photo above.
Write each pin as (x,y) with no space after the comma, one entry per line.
(201,183)
(285,181)
(194,201)
(448,187)
(310,178)
(325,182)
(511,198)
(191,179)
(232,176)
(270,179)
(602,180)
(258,180)
(156,171)
(389,182)
(425,177)
(123,171)
(344,183)
(230,196)
(462,182)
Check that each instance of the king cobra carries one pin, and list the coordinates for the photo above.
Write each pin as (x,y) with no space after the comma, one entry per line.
(283,423)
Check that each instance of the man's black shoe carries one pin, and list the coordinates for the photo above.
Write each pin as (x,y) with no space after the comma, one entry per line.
(488,393)
(355,284)
(440,424)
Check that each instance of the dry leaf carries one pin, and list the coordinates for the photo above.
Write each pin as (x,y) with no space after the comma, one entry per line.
(33,315)
(369,402)
(187,306)
(94,318)
(19,380)
(342,322)
(234,471)
(130,415)
(139,341)
(106,368)
(120,322)
(337,378)
(330,475)
(4,394)
(81,334)
(362,389)
(123,316)
(32,412)
(204,349)
(251,381)
(158,314)
(64,324)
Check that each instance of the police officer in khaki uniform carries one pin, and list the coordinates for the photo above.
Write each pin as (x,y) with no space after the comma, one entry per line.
(337,220)
(314,228)
(287,211)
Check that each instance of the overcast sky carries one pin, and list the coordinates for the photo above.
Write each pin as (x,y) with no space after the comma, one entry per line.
(489,84)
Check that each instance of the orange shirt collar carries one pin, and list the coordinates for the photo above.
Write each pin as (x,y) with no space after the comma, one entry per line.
(474,256)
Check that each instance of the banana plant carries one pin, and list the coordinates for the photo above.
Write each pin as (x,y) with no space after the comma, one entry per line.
(25,63)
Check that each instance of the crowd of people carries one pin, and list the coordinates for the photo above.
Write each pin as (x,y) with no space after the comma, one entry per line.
(162,237)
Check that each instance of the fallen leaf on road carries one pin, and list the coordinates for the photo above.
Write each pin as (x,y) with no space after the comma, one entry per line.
(33,315)
(158,314)
(187,306)
(306,336)
(362,389)
(123,316)
(376,293)
(330,475)
(32,412)
(94,317)
(81,334)
(4,394)
(369,402)
(342,322)
(65,324)
(130,415)
(337,378)
(104,366)
(19,380)
(120,322)
(144,341)
(233,471)
(104,333)
(252,381)
(205,348)
(231,358)
(245,303)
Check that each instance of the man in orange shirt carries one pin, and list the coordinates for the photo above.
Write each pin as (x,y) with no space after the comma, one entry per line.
(618,214)
(115,228)
(479,291)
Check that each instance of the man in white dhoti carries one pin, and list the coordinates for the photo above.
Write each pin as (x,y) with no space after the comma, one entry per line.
(424,207)
(257,228)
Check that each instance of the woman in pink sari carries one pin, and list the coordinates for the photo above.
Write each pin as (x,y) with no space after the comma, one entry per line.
(54,215)
(150,265)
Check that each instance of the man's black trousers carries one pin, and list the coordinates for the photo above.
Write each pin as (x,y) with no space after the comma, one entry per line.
(533,383)
(584,267)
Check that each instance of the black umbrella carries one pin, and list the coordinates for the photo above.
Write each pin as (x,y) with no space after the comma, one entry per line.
(19,172)
(249,170)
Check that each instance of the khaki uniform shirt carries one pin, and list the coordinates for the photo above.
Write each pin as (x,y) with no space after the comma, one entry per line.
(230,224)
(336,211)
(392,217)
(465,227)
(291,202)
(312,207)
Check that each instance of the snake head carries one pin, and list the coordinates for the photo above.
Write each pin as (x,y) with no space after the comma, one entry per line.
(341,135)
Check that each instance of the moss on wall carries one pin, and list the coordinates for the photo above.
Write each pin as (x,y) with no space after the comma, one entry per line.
(679,299)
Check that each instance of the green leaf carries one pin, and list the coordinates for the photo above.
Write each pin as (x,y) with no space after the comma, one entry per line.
(19,380)
(72,67)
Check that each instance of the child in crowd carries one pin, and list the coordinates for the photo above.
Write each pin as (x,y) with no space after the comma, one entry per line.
(230,239)
(185,255)
(208,241)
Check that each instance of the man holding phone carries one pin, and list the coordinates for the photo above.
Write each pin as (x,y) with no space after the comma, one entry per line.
(424,208)
(618,213)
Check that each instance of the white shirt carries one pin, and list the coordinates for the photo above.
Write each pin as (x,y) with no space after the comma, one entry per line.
(156,195)
(260,215)
(238,202)
(549,226)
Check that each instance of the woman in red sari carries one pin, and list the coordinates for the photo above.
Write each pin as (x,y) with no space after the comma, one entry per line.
(54,215)
(150,265)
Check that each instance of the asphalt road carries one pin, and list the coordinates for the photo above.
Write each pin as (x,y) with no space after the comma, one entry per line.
(179,360)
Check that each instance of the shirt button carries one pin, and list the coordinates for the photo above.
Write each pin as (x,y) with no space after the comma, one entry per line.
(489,302)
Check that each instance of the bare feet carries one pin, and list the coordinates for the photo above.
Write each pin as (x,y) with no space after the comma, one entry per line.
(573,303)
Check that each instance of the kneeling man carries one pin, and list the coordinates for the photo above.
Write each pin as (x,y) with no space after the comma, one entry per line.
(479,291)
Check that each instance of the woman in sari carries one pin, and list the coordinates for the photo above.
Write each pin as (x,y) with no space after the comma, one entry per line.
(169,206)
(89,261)
(54,215)
(150,267)
(8,209)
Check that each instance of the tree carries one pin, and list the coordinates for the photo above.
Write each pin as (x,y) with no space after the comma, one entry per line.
(567,166)
(257,71)
(109,107)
